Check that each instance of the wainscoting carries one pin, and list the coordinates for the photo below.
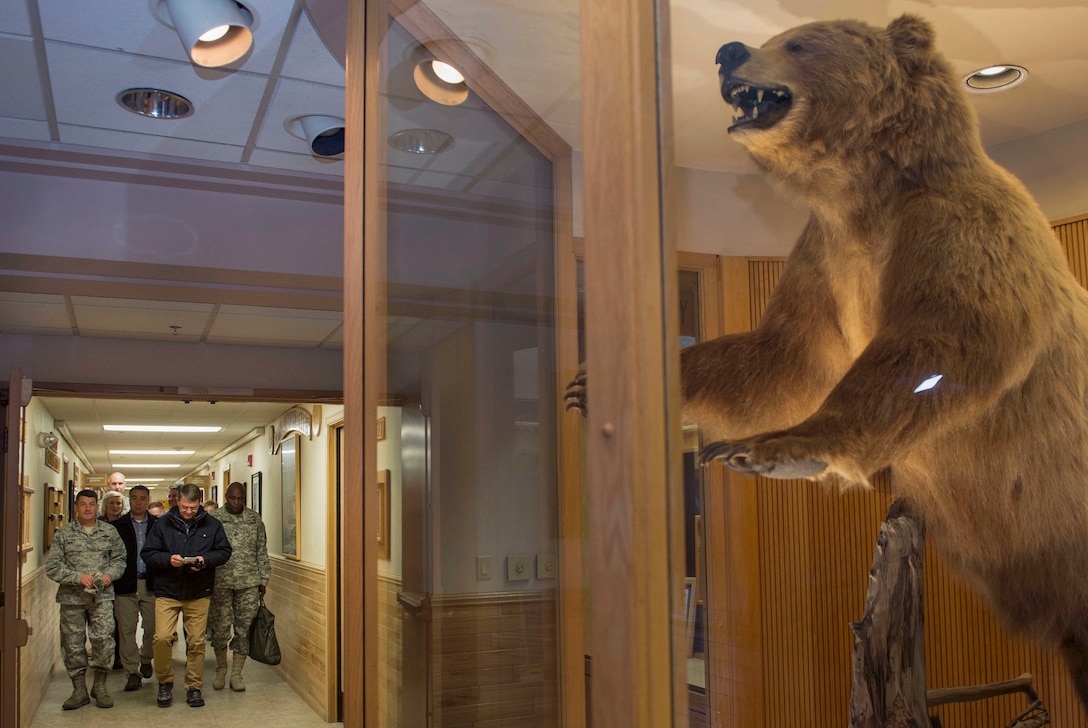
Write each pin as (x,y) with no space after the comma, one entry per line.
(296,595)
(390,659)
(494,659)
(42,650)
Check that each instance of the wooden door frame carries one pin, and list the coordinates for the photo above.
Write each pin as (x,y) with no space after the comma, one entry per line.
(632,443)
(364,340)
(13,629)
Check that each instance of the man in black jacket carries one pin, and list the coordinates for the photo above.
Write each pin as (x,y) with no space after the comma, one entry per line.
(135,593)
(182,550)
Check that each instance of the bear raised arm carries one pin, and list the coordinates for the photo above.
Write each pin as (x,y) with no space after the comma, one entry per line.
(926,320)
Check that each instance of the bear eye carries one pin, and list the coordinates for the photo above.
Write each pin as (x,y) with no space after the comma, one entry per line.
(794,47)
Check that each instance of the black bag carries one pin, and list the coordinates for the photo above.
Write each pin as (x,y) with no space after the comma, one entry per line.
(263,645)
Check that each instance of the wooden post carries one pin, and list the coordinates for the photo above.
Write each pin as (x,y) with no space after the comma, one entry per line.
(889,681)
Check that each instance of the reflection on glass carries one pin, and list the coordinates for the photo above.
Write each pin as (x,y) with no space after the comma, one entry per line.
(468,594)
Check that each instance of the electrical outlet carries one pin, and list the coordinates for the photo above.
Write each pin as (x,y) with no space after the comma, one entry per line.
(546,565)
(483,568)
(519,568)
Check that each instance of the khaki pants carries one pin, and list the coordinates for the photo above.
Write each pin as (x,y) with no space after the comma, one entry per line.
(129,609)
(195,614)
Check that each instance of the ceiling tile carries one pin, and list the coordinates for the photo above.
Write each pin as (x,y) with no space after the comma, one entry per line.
(36,131)
(20,92)
(150,143)
(85,92)
(291,100)
(31,313)
(272,326)
(14,18)
(304,162)
(308,59)
(123,318)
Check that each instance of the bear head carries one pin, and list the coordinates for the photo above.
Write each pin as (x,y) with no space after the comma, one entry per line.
(828,105)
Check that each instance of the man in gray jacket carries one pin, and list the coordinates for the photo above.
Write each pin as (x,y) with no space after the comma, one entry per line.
(85,558)
(239,585)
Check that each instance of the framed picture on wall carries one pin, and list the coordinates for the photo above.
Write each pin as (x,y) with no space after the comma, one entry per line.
(383,514)
(290,482)
(255,491)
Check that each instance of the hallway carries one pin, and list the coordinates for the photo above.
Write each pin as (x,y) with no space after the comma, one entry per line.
(268,702)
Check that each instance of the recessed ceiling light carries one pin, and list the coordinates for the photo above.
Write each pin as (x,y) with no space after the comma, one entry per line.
(441,82)
(421,141)
(145,465)
(159,428)
(995,78)
(152,452)
(155,103)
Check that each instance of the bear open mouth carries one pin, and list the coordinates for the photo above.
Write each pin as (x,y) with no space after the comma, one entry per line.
(758,108)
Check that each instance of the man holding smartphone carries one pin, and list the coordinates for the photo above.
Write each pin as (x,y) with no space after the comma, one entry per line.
(182,550)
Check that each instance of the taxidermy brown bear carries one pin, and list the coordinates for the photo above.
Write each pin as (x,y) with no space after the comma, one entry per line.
(926,320)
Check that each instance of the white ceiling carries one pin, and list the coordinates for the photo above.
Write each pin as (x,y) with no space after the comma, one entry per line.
(83,419)
(62,63)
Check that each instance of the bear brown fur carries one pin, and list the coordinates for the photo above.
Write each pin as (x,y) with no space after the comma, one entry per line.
(922,257)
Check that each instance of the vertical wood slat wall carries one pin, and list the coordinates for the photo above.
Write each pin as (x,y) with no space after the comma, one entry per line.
(815,551)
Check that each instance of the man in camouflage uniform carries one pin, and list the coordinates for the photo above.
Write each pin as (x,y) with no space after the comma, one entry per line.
(238,585)
(85,558)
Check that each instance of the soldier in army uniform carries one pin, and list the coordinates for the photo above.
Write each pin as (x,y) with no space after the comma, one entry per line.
(238,585)
(85,558)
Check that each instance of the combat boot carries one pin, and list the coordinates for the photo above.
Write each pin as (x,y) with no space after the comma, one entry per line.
(79,696)
(220,680)
(101,696)
(237,684)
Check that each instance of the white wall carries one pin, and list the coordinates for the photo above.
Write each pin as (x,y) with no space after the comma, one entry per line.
(40,476)
(314,469)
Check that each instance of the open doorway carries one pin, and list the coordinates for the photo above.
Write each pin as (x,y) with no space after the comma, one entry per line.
(70,432)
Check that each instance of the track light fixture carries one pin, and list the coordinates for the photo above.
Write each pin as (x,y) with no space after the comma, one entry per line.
(213,32)
(324,134)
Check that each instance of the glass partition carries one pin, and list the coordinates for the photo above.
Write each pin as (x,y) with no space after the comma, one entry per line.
(474,186)
(488,526)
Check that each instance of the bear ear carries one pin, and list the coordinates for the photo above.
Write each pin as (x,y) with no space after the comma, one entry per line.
(912,39)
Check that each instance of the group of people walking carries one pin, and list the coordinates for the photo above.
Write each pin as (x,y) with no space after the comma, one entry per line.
(208,568)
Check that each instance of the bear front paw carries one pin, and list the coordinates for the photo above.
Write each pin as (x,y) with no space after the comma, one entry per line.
(740,457)
(574,397)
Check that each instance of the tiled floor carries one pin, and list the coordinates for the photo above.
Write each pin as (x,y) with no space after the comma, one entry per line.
(268,702)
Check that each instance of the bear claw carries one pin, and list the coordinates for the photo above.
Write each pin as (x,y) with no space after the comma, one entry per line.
(738,458)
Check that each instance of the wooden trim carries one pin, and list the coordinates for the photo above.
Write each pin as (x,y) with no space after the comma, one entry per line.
(359,676)
(572,646)
(169,273)
(333,568)
(11,499)
(631,457)
(172,393)
(1067,220)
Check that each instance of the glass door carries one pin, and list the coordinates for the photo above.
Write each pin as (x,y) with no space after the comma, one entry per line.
(463,200)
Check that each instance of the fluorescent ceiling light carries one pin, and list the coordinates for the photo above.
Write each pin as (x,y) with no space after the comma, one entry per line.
(159,428)
(152,452)
(142,480)
(129,466)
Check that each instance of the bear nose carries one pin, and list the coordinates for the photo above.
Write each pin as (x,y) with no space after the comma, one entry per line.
(732,56)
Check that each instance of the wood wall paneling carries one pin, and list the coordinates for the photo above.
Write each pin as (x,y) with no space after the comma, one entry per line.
(299,605)
(805,574)
(42,651)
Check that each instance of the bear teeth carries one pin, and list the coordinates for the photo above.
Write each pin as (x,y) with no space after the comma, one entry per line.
(748,103)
